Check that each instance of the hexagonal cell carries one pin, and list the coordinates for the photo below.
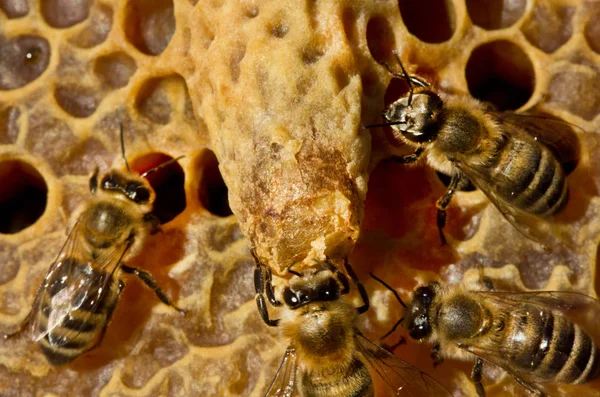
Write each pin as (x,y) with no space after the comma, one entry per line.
(167,180)
(549,26)
(78,101)
(64,13)
(159,97)
(380,39)
(115,70)
(14,8)
(213,193)
(563,84)
(432,21)
(22,60)
(592,28)
(495,14)
(25,201)
(149,24)
(96,29)
(9,129)
(500,72)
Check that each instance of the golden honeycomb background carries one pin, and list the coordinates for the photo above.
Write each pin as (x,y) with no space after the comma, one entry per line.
(273,96)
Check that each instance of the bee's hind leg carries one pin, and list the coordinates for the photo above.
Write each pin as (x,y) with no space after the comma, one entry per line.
(476,377)
(436,355)
(442,204)
(153,285)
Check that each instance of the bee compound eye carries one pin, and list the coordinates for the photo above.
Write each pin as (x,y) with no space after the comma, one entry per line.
(290,298)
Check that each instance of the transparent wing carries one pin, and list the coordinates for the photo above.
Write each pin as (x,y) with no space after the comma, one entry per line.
(284,383)
(537,228)
(402,378)
(73,289)
(579,308)
(558,135)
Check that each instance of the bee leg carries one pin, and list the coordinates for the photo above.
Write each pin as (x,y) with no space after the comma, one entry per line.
(476,377)
(436,356)
(340,276)
(260,281)
(361,288)
(442,204)
(154,223)
(410,158)
(152,284)
(485,280)
(393,347)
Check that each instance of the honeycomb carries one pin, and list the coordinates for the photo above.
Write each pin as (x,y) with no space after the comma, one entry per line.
(266,100)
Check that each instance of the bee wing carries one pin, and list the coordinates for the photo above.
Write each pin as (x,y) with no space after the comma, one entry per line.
(558,135)
(579,308)
(284,383)
(73,289)
(403,379)
(536,228)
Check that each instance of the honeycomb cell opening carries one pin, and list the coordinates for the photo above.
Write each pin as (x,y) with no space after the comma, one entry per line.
(23,59)
(380,39)
(431,21)
(149,25)
(115,69)
(213,193)
(14,8)
(500,72)
(62,14)
(167,182)
(23,199)
(495,14)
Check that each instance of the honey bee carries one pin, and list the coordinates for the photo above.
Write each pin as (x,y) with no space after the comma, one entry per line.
(540,338)
(77,298)
(328,355)
(507,156)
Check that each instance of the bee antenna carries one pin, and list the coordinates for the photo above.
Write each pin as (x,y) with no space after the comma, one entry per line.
(406,78)
(123,146)
(386,285)
(163,165)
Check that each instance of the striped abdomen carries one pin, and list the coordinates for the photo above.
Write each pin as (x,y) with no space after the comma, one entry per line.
(71,320)
(549,346)
(529,176)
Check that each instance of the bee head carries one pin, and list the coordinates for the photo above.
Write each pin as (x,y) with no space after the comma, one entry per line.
(134,189)
(318,286)
(415,116)
(417,316)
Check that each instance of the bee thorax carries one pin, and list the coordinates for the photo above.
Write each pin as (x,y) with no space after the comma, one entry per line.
(461,317)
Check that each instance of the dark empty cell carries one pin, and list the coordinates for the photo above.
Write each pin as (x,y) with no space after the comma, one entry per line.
(96,29)
(380,39)
(22,60)
(501,73)
(495,14)
(14,8)
(9,129)
(592,29)
(167,181)
(159,97)
(569,87)
(432,21)
(24,200)
(150,24)
(548,28)
(115,70)
(77,101)
(65,13)
(213,192)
